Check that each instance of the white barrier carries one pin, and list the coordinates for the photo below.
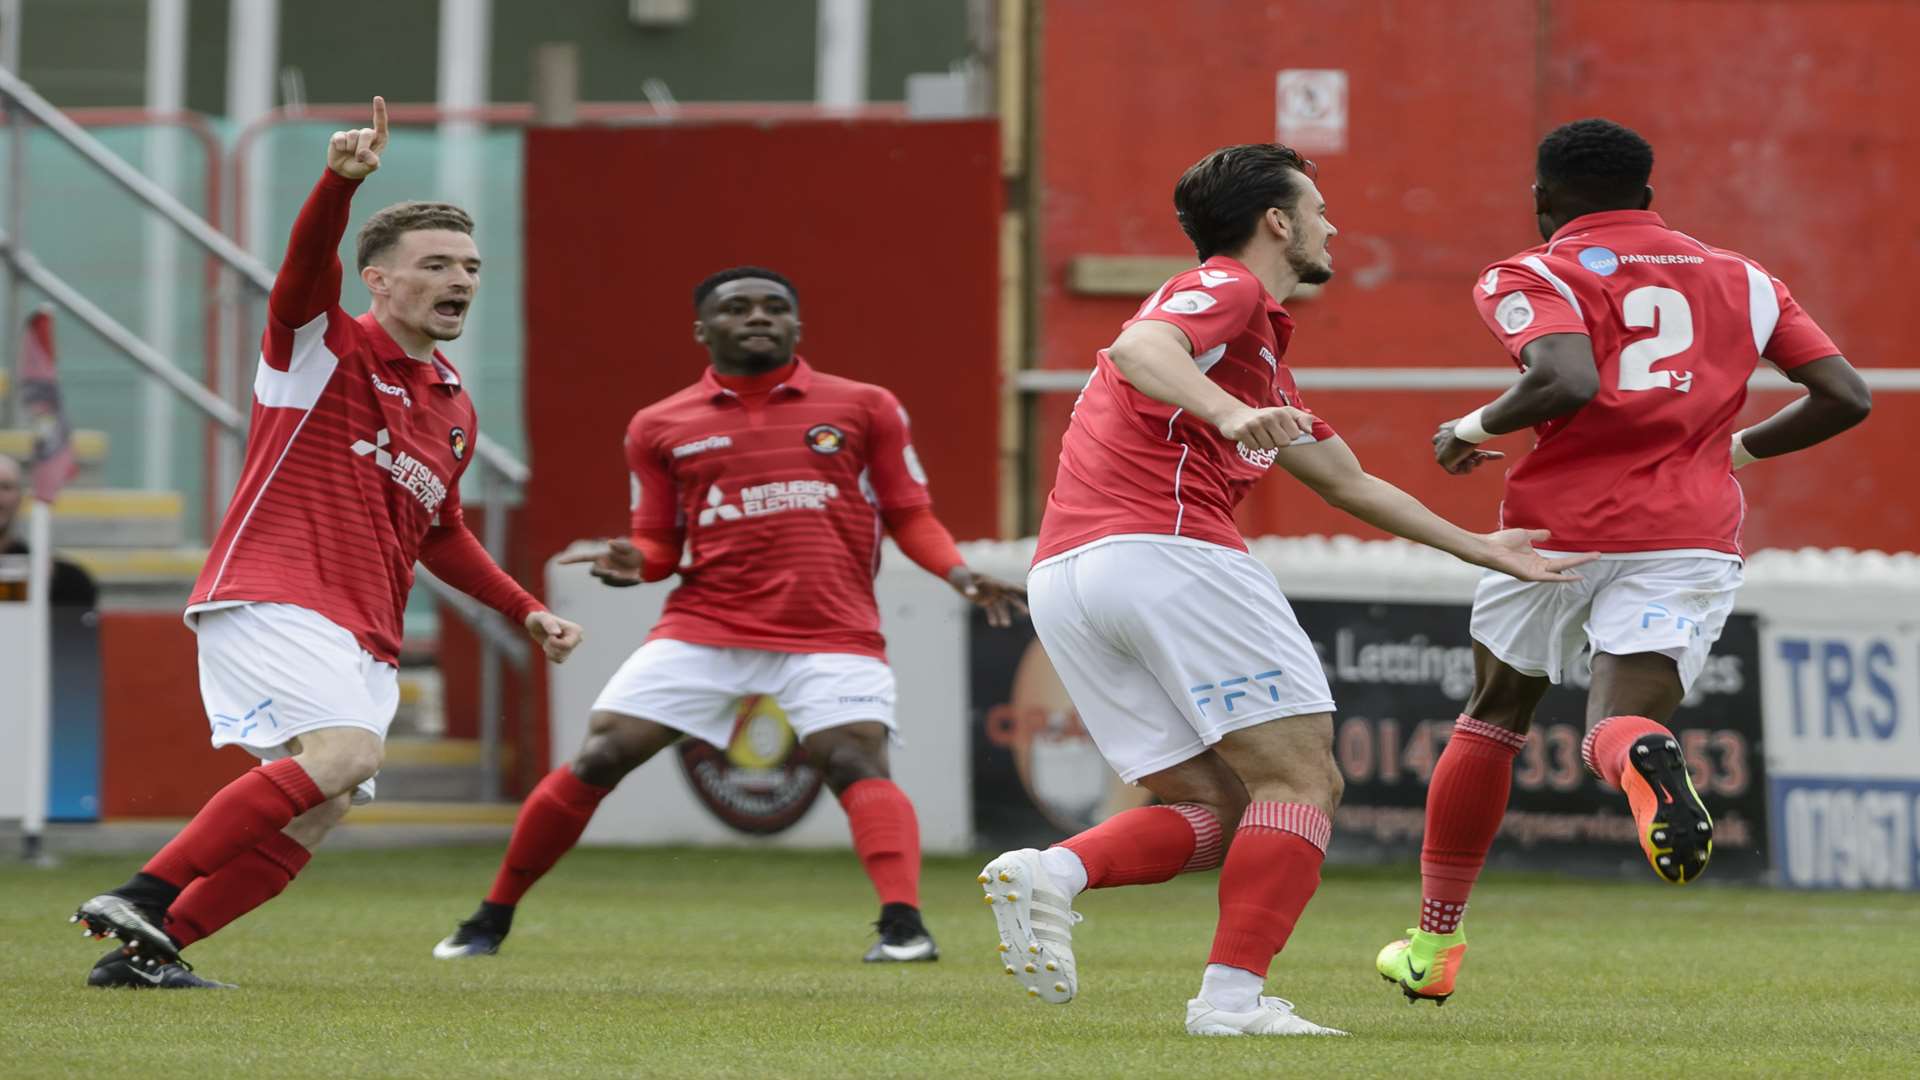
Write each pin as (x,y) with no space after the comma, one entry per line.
(925,624)
(1840,677)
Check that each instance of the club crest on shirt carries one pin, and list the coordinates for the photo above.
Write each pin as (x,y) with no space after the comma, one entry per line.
(1515,313)
(457,441)
(825,439)
(1189,302)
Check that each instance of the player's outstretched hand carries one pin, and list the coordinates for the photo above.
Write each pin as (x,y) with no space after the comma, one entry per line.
(1266,429)
(1510,551)
(617,563)
(555,635)
(1001,600)
(355,154)
(1458,456)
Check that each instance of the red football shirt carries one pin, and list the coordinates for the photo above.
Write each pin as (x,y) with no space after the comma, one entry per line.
(780,496)
(1677,328)
(354,458)
(1132,465)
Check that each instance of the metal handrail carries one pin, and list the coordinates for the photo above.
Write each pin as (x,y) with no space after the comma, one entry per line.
(252,270)
(1038,380)
(123,339)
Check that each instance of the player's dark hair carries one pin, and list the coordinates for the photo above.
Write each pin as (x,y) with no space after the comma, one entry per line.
(385,227)
(1220,199)
(735,273)
(1596,163)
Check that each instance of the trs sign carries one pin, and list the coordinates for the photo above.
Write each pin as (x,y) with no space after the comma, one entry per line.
(1843,754)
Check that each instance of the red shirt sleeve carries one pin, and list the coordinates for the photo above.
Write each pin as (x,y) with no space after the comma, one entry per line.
(892,466)
(1796,339)
(924,539)
(308,284)
(1519,305)
(659,552)
(1210,315)
(456,557)
(655,503)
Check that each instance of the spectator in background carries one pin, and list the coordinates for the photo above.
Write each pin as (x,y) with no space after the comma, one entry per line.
(72,587)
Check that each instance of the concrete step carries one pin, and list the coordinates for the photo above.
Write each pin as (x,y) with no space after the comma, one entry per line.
(86,517)
(89,451)
(432,770)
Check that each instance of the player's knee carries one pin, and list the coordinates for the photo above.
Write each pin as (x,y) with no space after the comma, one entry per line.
(846,764)
(347,764)
(617,745)
(1336,784)
(604,760)
(310,828)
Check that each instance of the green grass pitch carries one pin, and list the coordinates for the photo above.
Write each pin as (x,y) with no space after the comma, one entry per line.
(737,963)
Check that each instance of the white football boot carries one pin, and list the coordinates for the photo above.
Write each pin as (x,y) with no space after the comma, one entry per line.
(1273,1016)
(1036,918)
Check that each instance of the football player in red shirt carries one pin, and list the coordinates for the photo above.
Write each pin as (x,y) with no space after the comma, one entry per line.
(360,434)
(1181,654)
(776,479)
(1637,342)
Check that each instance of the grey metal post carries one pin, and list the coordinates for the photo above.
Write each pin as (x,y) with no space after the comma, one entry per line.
(16,206)
(492,697)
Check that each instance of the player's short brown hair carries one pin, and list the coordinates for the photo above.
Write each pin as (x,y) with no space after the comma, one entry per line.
(384,228)
(1220,199)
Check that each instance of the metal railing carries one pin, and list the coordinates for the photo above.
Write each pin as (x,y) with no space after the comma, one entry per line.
(1037,380)
(247,281)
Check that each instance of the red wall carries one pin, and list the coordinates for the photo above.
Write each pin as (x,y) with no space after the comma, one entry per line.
(154,759)
(1776,128)
(889,230)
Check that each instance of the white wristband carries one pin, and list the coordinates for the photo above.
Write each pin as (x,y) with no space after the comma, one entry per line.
(1468,429)
(1741,456)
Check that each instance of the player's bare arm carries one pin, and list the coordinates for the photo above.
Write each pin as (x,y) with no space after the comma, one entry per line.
(1837,399)
(356,154)
(1331,470)
(1560,378)
(1157,359)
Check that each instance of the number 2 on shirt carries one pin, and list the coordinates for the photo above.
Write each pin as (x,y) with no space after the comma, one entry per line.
(1649,307)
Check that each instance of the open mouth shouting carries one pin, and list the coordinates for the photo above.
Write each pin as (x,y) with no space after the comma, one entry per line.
(453,308)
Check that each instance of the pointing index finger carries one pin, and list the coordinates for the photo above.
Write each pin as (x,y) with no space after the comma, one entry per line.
(379,122)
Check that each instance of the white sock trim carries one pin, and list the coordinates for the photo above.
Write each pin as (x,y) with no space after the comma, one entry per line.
(1066,869)
(1231,989)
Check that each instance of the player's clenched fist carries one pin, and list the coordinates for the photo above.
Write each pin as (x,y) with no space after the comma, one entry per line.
(1267,429)
(556,636)
(355,154)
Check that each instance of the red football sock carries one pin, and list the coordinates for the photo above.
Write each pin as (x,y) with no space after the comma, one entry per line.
(237,819)
(550,823)
(886,835)
(1466,799)
(1271,872)
(1605,747)
(1148,844)
(249,879)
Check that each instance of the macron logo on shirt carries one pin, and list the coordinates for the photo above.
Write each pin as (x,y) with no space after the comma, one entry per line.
(1213,279)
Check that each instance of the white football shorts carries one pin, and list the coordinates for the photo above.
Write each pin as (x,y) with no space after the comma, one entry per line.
(269,672)
(1167,645)
(1645,602)
(696,689)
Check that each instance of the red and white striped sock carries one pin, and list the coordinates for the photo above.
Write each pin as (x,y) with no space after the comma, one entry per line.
(1466,799)
(1605,747)
(1271,871)
(1148,844)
